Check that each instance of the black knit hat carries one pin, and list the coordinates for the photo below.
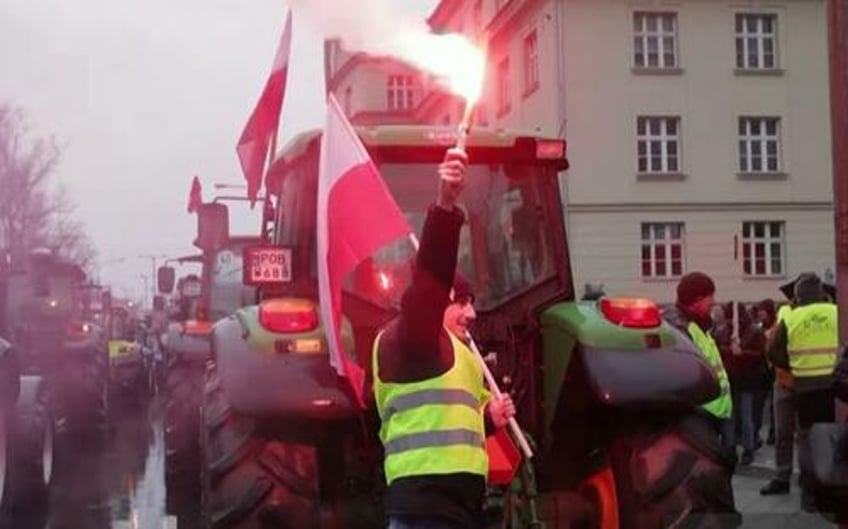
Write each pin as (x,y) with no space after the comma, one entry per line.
(462,289)
(694,286)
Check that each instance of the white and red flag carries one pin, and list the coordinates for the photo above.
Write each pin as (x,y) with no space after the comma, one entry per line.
(261,127)
(356,216)
(195,196)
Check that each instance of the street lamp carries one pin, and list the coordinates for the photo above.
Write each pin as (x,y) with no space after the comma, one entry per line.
(153,258)
(146,291)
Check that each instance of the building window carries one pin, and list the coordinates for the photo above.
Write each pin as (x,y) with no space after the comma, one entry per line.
(531,62)
(655,40)
(759,145)
(503,86)
(763,248)
(400,92)
(658,144)
(756,41)
(662,249)
(481,114)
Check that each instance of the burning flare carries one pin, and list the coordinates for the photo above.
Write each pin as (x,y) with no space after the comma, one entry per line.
(453,58)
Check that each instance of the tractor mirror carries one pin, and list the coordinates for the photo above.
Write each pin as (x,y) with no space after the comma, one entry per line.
(165,278)
(213,226)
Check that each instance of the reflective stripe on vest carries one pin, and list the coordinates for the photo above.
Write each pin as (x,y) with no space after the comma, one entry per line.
(433,439)
(812,339)
(722,406)
(429,396)
(433,426)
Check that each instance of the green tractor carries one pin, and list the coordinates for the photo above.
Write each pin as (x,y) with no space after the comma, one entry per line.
(60,336)
(607,392)
(199,301)
(27,456)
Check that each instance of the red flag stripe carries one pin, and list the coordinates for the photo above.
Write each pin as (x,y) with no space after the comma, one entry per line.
(262,125)
(356,216)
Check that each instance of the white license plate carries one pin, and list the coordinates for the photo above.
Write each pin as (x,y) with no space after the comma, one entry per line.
(265,265)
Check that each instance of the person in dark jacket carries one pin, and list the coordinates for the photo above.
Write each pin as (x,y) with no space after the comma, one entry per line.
(806,344)
(428,385)
(744,362)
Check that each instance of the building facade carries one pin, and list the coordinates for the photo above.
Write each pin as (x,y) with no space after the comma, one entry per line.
(698,130)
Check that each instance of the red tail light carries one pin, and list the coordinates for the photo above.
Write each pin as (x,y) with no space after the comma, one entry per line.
(638,313)
(550,149)
(288,315)
(78,327)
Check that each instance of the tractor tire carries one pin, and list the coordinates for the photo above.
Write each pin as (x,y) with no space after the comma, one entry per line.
(675,476)
(79,399)
(249,481)
(30,451)
(183,393)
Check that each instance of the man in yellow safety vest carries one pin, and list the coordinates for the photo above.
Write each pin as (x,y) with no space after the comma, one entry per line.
(805,343)
(428,384)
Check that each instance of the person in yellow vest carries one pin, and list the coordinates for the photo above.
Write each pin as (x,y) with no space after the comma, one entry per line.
(783,396)
(428,384)
(806,344)
(692,315)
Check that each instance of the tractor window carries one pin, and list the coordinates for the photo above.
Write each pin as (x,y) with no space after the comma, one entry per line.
(228,293)
(504,246)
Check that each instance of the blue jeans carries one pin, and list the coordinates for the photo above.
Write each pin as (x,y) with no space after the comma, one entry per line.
(419,522)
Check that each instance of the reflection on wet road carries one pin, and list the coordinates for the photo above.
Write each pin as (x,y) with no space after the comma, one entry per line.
(112,483)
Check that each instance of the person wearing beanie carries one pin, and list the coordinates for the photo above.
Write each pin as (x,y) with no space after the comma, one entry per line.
(805,343)
(691,314)
(428,385)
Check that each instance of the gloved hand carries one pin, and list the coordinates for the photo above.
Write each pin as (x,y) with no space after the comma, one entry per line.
(501,410)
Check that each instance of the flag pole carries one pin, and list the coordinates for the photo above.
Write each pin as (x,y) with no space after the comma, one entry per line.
(278,213)
(517,434)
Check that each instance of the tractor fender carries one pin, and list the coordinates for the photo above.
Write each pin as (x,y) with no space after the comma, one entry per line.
(187,346)
(32,387)
(9,375)
(677,376)
(268,383)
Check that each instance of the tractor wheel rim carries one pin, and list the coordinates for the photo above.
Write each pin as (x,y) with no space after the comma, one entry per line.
(47,453)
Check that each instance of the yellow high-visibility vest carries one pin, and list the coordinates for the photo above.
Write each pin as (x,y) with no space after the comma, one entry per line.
(722,406)
(812,339)
(434,426)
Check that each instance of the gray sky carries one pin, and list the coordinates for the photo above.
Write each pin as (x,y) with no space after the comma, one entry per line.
(145,94)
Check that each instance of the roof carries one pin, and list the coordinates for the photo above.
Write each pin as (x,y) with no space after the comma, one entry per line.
(407,135)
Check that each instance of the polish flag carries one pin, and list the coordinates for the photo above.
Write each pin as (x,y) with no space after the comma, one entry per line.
(261,127)
(356,216)
(195,196)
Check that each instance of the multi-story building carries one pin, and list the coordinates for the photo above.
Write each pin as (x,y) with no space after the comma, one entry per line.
(698,130)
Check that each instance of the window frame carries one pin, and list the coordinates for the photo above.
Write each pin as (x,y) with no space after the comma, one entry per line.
(644,36)
(664,138)
(742,38)
(747,139)
(667,242)
(400,88)
(530,51)
(504,87)
(767,240)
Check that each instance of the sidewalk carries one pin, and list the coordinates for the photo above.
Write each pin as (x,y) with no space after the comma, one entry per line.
(770,512)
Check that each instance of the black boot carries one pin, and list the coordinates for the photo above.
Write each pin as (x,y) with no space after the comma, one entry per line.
(775,486)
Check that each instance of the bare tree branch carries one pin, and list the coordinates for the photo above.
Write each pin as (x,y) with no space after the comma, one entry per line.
(31,214)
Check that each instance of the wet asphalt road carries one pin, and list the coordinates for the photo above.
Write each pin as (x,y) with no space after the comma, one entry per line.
(119,483)
(116,483)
